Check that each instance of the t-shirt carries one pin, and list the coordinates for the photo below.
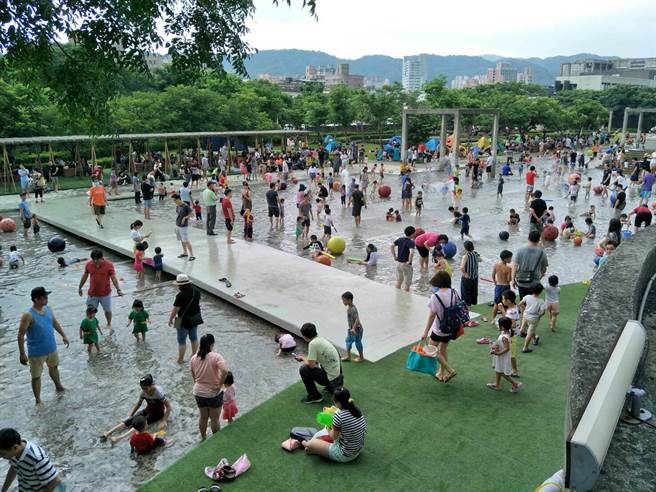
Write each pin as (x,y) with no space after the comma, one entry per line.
(574,190)
(209,197)
(641,210)
(158,260)
(352,432)
(304,209)
(99,278)
(373,258)
(155,402)
(323,352)
(142,442)
(534,306)
(287,341)
(531,258)
(14,257)
(352,316)
(33,468)
(97,194)
(140,318)
(621,200)
(226,206)
(183,211)
(552,294)
(188,296)
(24,207)
(403,245)
(185,194)
(147,190)
(89,326)
(538,206)
(272,198)
(530,178)
(648,181)
(358,199)
(448,297)
(207,374)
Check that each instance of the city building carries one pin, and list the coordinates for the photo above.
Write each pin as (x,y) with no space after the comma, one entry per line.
(415,73)
(503,72)
(290,85)
(525,76)
(596,75)
(332,75)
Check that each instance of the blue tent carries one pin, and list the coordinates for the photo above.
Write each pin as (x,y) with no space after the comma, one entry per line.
(395,140)
(388,148)
(433,144)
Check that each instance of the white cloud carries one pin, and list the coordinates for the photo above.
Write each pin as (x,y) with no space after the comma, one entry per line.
(514,28)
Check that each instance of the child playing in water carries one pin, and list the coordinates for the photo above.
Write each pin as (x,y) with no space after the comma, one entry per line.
(141,441)
(534,309)
(328,225)
(140,317)
(371,259)
(419,203)
(342,195)
(587,187)
(139,254)
(374,189)
(500,186)
(281,207)
(513,218)
(320,206)
(397,216)
(299,227)
(63,262)
(286,343)
(501,354)
(354,331)
(248,225)
(89,329)
(501,275)
(36,227)
(592,213)
(389,216)
(158,263)
(229,399)
(161,191)
(314,246)
(14,258)
(552,297)
(198,210)
(456,215)
(441,265)
(592,230)
(464,223)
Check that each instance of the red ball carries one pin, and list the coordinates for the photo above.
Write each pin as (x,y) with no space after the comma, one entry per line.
(324,260)
(550,233)
(598,190)
(384,191)
(8,225)
(578,241)
(336,186)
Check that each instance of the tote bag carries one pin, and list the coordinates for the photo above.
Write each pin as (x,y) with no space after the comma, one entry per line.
(419,362)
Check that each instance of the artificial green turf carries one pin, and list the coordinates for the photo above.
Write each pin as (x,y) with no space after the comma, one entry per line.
(421,434)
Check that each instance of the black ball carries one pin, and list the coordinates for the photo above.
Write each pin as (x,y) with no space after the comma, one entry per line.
(56,244)
(504,235)
(283,186)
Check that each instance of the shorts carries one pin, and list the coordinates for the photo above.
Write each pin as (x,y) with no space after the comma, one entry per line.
(531,325)
(514,346)
(274,212)
(148,203)
(212,402)
(498,292)
(524,291)
(536,226)
(36,363)
(305,223)
(529,188)
(441,338)
(357,211)
(553,308)
(423,251)
(182,233)
(183,333)
(104,301)
(573,198)
(151,418)
(327,230)
(335,453)
(27,223)
(99,209)
(642,218)
(645,194)
(228,224)
(404,274)
(287,350)
(195,177)
(54,180)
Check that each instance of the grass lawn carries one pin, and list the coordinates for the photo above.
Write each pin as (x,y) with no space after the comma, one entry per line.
(421,434)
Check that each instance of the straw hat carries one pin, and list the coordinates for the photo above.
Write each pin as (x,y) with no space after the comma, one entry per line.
(181,279)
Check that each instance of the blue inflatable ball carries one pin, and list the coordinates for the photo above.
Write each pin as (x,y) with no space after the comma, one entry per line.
(56,244)
(596,260)
(449,249)
(504,235)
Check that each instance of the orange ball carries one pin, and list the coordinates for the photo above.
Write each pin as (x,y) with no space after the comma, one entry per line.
(324,260)
(578,241)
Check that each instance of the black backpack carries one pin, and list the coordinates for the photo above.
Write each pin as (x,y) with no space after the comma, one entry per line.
(452,317)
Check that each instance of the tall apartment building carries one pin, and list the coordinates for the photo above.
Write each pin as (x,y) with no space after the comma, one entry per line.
(414,74)
(503,72)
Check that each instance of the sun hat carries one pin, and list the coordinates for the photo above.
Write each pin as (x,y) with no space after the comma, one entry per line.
(181,279)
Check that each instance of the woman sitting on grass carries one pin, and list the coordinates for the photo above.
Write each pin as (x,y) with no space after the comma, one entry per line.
(348,431)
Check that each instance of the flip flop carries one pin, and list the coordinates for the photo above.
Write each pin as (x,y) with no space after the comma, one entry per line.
(493,386)
(516,388)
(471,324)
(441,380)
(239,295)
(228,284)
(483,341)
(182,256)
(223,279)
(484,319)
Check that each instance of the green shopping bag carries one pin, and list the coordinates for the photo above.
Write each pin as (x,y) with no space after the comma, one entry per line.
(419,362)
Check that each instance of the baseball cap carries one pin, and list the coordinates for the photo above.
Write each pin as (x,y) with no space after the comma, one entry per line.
(39,292)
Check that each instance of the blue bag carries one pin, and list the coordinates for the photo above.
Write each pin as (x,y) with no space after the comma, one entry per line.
(421,363)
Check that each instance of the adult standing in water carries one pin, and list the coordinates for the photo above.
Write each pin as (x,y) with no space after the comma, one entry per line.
(38,324)
(147,192)
(98,200)
(358,202)
(209,371)
(185,315)
(101,272)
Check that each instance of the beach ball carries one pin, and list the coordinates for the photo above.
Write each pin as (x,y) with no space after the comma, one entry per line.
(56,244)
(336,245)
(384,191)
(550,233)
(449,250)
(419,231)
(599,251)
(573,177)
(8,225)
(324,260)
(596,260)
(504,235)
(578,241)
(598,190)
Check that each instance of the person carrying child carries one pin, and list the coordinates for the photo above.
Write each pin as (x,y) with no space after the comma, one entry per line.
(229,398)
(286,343)
(142,441)
(89,329)
(500,351)
(355,331)
(140,317)
(552,298)
(534,309)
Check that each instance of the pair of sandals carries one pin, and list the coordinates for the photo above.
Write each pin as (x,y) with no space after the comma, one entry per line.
(213,488)
(228,284)
(446,379)
(191,258)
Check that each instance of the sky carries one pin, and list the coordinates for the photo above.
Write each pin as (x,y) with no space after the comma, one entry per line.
(510,28)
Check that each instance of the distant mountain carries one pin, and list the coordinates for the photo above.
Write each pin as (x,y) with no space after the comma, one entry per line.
(293,62)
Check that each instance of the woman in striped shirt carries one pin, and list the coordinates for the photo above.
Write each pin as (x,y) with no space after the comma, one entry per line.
(469,279)
(348,431)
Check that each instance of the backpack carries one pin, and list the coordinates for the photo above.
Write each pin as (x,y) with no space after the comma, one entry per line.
(454,316)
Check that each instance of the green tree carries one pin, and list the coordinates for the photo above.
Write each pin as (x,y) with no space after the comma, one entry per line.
(342,109)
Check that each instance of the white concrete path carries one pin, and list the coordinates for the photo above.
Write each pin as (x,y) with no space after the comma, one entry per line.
(279,287)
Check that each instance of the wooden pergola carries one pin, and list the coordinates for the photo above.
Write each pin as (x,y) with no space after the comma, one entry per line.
(132,137)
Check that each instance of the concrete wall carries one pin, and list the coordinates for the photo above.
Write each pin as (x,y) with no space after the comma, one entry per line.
(614,297)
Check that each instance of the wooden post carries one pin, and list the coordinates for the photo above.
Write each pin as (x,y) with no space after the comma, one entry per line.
(130,159)
(93,154)
(228,158)
(37,160)
(167,158)
(495,136)
(8,175)
(77,157)
(210,157)
(51,154)
(113,154)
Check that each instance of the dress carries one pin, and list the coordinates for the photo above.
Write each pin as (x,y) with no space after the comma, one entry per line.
(138,261)
(140,319)
(229,403)
(502,362)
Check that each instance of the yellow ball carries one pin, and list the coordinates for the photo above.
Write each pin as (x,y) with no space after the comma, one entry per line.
(336,245)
